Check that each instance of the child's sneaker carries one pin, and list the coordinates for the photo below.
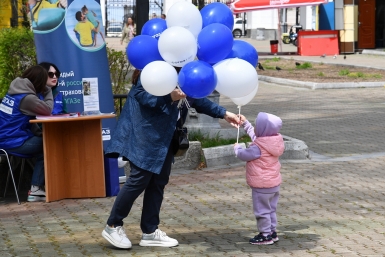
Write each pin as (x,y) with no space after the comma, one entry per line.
(274,237)
(260,239)
(36,194)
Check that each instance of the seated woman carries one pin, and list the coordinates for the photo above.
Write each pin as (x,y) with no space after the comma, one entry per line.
(59,106)
(17,134)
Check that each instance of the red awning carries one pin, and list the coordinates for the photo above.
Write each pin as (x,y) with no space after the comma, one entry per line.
(253,5)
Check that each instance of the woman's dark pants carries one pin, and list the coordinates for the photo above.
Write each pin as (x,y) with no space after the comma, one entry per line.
(153,186)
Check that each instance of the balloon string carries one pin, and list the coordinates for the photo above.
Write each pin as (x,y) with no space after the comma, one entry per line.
(239,115)
(183,100)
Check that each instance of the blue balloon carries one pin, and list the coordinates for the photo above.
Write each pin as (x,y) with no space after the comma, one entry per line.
(215,42)
(245,51)
(142,50)
(197,79)
(154,27)
(217,13)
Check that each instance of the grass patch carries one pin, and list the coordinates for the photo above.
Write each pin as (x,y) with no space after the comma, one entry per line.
(343,72)
(305,65)
(356,75)
(214,141)
(267,67)
(321,74)
(377,76)
(275,59)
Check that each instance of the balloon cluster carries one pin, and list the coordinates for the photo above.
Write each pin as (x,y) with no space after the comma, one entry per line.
(202,45)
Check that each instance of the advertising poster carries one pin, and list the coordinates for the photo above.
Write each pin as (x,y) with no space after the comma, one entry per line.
(70,34)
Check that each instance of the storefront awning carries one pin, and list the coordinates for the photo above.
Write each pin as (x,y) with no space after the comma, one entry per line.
(240,6)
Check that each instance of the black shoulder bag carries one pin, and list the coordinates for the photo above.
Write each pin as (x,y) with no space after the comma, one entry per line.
(180,142)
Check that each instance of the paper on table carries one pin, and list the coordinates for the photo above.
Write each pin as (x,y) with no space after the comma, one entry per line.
(57,116)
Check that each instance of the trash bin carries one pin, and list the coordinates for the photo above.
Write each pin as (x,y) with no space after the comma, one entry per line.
(274,46)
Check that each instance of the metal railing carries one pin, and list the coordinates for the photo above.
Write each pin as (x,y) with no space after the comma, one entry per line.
(120,98)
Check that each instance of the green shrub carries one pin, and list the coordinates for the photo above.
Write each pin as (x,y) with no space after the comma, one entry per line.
(17,53)
(120,74)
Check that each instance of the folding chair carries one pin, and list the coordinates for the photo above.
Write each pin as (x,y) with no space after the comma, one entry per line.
(9,156)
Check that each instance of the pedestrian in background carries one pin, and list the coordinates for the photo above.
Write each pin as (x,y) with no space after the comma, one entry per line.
(263,172)
(129,32)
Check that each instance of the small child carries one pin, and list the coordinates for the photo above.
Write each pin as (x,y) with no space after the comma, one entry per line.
(263,172)
(91,17)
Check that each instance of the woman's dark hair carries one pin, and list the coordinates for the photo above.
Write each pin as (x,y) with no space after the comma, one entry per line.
(38,77)
(133,22)
(47,65)
(135,76)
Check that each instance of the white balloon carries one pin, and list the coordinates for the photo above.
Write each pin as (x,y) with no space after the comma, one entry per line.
(177,46)
(185,14)
(159,78)
(236,77)
(241,101)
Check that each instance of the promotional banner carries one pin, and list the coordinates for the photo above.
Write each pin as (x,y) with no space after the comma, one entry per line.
(70,34)
(240,6)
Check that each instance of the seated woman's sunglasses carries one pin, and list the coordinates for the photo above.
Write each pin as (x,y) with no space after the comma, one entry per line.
(51,74)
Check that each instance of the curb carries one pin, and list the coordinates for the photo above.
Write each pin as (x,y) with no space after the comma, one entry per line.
(331,63)
(224,155)
(372,52)
(314,86)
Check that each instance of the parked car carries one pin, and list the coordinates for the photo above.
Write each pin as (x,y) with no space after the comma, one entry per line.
(238,28)
(114,31)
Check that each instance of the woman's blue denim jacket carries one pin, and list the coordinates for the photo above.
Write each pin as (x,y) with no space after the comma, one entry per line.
(146,125)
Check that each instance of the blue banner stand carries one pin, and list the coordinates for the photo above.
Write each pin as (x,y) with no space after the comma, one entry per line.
(111,176)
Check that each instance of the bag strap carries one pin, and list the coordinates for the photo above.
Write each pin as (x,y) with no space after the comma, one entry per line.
(181,120)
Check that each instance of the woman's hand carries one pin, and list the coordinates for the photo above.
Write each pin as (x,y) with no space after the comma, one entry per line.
(177,94)
(242,118)
(232,118)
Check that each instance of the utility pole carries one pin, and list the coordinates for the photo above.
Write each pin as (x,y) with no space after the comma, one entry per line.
(141,13)
(14,18)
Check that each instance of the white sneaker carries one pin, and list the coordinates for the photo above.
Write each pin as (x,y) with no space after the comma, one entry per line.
(117,237)
(36,194)
(158,238)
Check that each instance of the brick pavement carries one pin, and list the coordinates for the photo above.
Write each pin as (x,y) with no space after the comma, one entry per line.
(327,208)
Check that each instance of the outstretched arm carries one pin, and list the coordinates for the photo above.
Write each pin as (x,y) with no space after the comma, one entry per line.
(248,154)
